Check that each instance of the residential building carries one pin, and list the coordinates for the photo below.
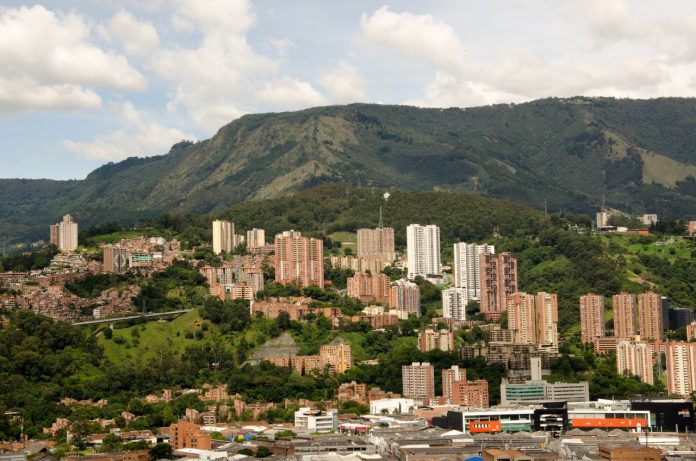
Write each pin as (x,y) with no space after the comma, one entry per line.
(429,340)
(681,368)
(692,227)
(64,234)
(418,380)
(214,393)
(316,420)
(299,259)
(591,317)
(184,434)
(377,243)
(115,258)
(624,305)
(635,357)
(223,237)
(404,296)
(522,318)
(648,219)
(456,390)
(547,320)
(605,344)
(498,282)
(533,391)
(423,247)
(256,238)
(454,302)
(337,355)
(467,267)
(369,288)
(691,331)
(674,318)
(602,219)
(352,391)
(650,321)
(450,376)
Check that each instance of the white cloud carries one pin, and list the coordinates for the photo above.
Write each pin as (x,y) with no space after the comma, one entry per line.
(136,36)
(282,46)
(223,16)
(344,83)
(290,94)
(52,59)
(139,136)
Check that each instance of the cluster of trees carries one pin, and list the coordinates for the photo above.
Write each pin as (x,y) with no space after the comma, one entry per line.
(92,285)
(178,286)
(29,261)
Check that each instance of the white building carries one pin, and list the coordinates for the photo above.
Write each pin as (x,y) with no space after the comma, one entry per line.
(602,219)
(392,406)
(223,237)
(255,238)
(454,301)
(467,271)
(423,247)
(64,234)
(649,219)
(316,420)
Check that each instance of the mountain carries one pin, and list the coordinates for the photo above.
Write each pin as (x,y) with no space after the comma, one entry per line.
(570,153)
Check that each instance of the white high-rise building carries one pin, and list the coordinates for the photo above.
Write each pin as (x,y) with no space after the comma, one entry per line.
(223,237)
(423,246)
(454,301)
(467,270)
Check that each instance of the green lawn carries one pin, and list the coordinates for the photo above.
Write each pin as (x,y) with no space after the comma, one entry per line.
(347,239)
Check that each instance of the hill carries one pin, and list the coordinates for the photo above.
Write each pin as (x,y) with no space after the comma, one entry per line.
(569,152)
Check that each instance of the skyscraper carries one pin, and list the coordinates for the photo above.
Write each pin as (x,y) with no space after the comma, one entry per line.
(650,316)
(299,259)
(547,320)
(115,258)
(404,296)
(423,246)
(376,243)
(498,282)
(467,267)
(591,317)
(681,368)
(64,234)
(624,315)
(256,238)
(418,381)
(636,358)
(223,237)
(454,302)
(522,318)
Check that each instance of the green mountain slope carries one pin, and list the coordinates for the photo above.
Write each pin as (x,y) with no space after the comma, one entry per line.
(569,152)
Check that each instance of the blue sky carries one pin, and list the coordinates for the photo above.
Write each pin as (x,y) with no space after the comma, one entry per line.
(85,82)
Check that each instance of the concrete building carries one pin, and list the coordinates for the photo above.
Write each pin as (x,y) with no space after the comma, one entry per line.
(352,391)
(546,306)
(369,288)
(635,357)
(392,406)
(429,340)
(418,380)
(534,391)
(624,306)
(602,219)
(522,318)
(650,319)
(64,234)
(223,237)
(498,282)
(450,376)
(648,219)
(404,297)
(256,238)
(467,267)
(184,434)
(591,317)
(454,302)
(456,390)
(316,420)
(378,243)
(299,259)
(423,247)
(681,368)
(115,258)
(337,355)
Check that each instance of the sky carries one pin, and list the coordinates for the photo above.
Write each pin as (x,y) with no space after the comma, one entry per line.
(86,82)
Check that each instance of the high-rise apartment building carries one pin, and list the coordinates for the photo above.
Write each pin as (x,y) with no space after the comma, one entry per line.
(602,219)
(64,234)
(369,288)
(458,391)
(454,302)
(115,258)
(681,368)
(522,318)
(423,247)
(299,259)
(255,239)
(636,358)
(624,305)
(498,282)
(450,376)
(418,381)
(467,267)
(650,317)
(430,339)
(223,237)
(591,317)
(404,296)
(337,355)
(376,243)
(547,320)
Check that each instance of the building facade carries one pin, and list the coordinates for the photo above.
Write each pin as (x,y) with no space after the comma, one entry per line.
(223,236)
(591,317)
(635,357)
(418,381)
(64,234)
(498,282)
(429,340)
(624,305)
(404,296)
(681,368)
(547,320)
(115,258)
(423,247)
(522,318)
(467,267)
(650,318)
(369,288)
(454,302)
(377,243)
(255,239)
(299,259)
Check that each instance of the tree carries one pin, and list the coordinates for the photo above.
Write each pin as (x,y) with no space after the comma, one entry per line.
(108,333)
(263,452)
(283,321)
(161,451)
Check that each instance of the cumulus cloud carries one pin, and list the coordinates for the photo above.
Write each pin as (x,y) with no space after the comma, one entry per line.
(137,37)
(344,83)
(139,136)
(226,16)
(52,60)
(290,94)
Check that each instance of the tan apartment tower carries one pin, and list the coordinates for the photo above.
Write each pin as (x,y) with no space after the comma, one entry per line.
(624,305)
(650,316)
(369,288)
(418,381)
(64,234)
(591,317)
(498,282)
(636,358)
(681,368)
(299,259)
(547,320)
(223,237)
(429,340)
(522,318)
(376,243)
(255,239)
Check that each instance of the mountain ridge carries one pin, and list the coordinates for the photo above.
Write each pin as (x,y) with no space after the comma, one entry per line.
(565,152)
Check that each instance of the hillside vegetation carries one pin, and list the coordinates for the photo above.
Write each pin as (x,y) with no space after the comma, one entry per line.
(569,152)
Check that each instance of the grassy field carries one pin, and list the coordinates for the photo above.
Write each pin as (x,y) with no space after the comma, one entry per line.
(126,234)
(347,239)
